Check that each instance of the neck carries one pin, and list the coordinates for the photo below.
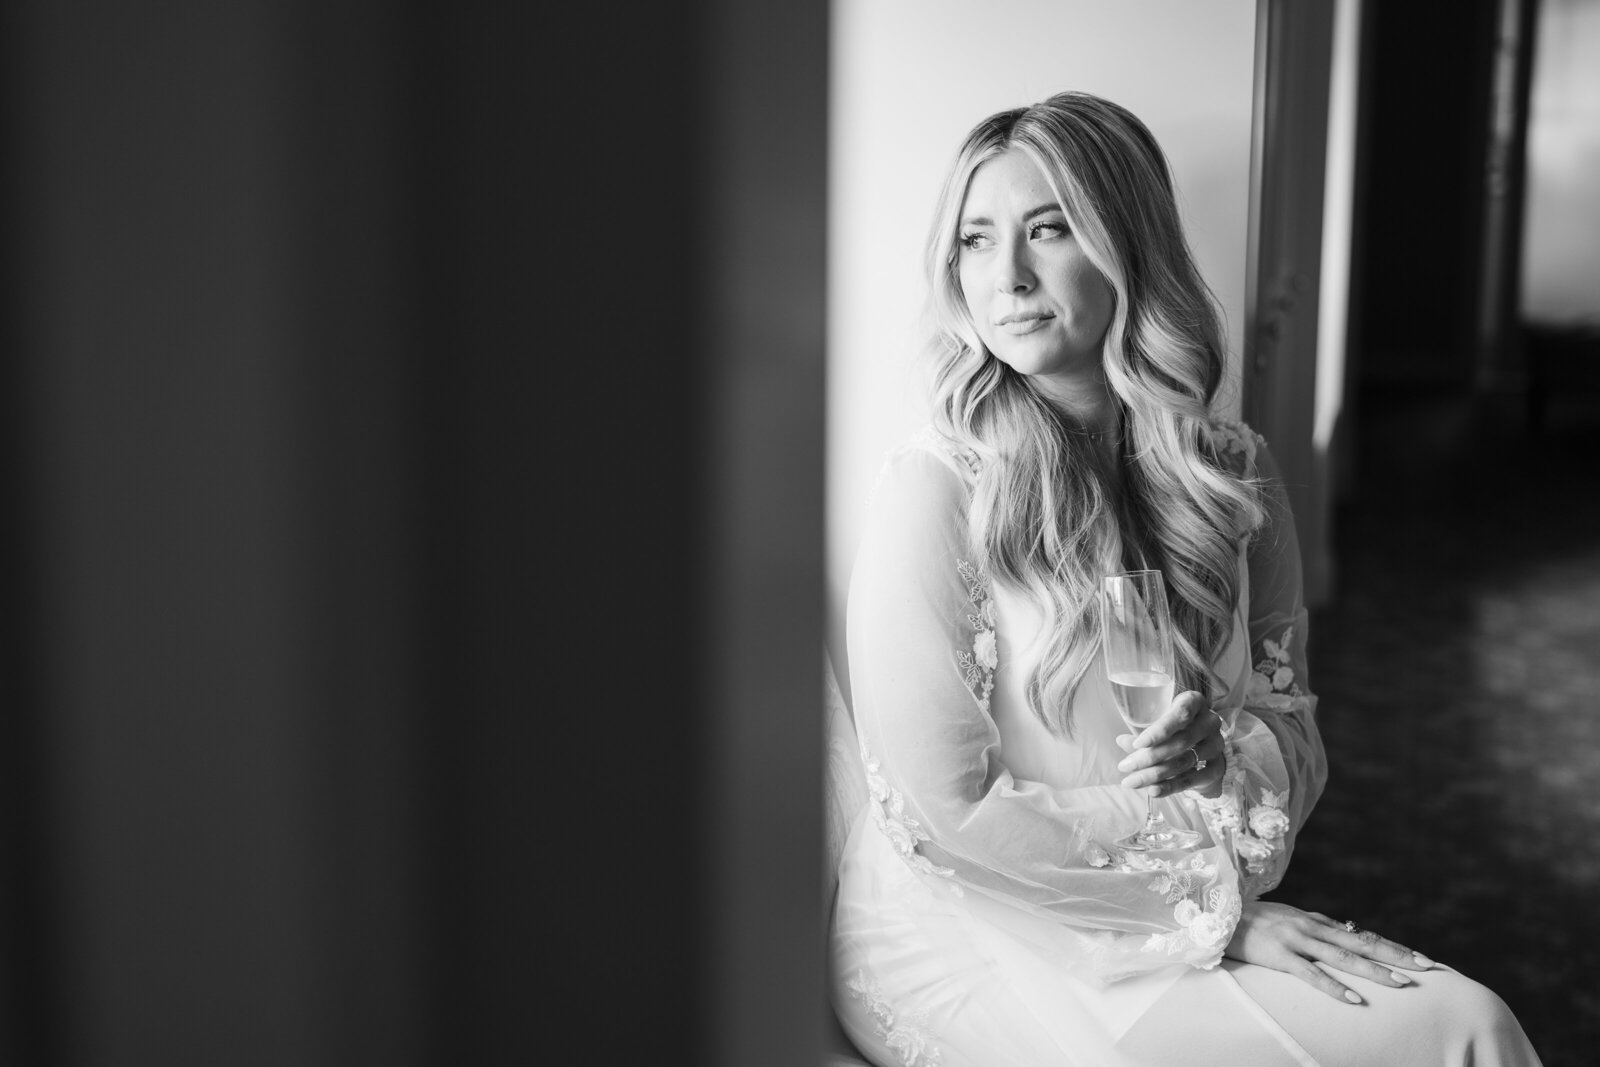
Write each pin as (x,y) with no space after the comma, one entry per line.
(1086,401)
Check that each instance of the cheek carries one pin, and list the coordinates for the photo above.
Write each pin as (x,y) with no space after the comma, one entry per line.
(973,296)
(968,279)
(1094,296)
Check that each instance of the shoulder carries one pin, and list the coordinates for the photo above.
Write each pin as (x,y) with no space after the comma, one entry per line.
(925,479)
(962,461)
(927,458)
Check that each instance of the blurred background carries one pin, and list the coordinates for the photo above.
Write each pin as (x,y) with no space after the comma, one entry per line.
(421,422)
(412,426)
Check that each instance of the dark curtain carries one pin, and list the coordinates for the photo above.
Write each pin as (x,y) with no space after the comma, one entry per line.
(412,453)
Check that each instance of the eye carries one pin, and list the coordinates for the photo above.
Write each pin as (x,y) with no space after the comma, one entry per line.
(1045,229)
(975,241)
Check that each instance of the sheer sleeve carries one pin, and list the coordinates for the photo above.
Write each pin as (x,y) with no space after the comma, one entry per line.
(1277,766)
(922,653)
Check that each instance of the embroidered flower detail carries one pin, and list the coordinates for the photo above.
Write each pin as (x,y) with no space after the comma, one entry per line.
(978,666)
(1234,438)
(1181,878)
(903,831)
(1261,854)
(983,649)
(906,1038)
(1096,855)
(1268,819)
(1215,924)
(1204,918)
(1272,683)
(1255,853)
(1222,812)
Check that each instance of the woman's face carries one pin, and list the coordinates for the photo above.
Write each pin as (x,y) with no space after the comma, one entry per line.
(1038,303)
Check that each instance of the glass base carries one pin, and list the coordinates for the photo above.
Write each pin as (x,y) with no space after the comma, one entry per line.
(1158,837)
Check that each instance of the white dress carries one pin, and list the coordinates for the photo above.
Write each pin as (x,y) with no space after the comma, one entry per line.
(984,916)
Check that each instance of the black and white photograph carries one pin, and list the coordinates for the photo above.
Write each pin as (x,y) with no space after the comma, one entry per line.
(855,533)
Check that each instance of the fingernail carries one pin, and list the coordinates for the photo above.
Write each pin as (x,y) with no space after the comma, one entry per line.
(1423,961)
(1125,766)
(1352,996)
(1401,978)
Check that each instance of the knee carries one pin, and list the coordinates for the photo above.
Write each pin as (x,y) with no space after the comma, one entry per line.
(1472,1010)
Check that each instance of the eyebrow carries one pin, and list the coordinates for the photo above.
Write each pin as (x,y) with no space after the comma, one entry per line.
(1042,209)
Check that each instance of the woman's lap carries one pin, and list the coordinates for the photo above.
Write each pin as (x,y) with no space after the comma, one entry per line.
(1442,1018)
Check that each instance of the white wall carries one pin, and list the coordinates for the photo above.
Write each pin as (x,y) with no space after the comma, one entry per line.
(1561,234)
(909,79)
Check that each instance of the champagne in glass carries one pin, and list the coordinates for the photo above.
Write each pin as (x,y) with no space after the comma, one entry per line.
(1136,639)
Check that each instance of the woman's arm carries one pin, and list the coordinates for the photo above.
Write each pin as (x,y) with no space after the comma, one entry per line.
(922,655)
(1277,729)
(1276,764)
(1280,687)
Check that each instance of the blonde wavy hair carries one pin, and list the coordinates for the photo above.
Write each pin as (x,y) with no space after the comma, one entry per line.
(1047,518)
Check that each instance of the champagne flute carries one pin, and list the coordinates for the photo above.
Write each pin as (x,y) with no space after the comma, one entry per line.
(1136,638)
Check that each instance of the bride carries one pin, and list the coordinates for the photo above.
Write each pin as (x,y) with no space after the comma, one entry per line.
(985,914)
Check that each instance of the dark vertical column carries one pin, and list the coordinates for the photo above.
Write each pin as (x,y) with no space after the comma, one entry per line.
(764,198)
(211,352)
(1500,362)
(564,388)
(351,432)
(1294,44)
(421,533)
(1431,66)
(27,981)
(174,703)
(623,279)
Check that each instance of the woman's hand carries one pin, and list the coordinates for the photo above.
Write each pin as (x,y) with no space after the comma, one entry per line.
(1294,941)
(1160,759)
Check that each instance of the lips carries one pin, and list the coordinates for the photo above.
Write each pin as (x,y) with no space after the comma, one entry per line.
(1022,322)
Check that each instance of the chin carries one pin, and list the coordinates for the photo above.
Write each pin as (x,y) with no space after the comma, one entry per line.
(1033,364)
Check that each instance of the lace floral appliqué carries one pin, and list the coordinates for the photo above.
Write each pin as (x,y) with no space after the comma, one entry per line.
(977,666)
(1255,831)
(906,1038)
(1205,918)
(1272,683)
(903,831)
(1234,437)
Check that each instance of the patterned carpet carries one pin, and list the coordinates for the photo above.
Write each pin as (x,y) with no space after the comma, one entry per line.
(1459,674)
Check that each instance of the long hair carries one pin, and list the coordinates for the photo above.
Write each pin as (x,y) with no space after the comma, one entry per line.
(1047,515)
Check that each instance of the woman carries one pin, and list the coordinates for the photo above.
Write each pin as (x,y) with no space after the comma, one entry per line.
(985,915)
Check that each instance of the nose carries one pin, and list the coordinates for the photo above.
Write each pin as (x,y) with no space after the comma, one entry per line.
(1014,274)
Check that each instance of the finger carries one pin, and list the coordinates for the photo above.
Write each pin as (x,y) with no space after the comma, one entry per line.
(1200,734)
(1342,957)
(1172,776)
(1178,716)
(1192,763)
(1189,778)
(1147,766)
(1315,976)
(1377,947)
(1181,751)
(1371,944)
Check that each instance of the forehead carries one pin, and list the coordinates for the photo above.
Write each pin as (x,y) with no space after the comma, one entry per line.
(1008,182)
